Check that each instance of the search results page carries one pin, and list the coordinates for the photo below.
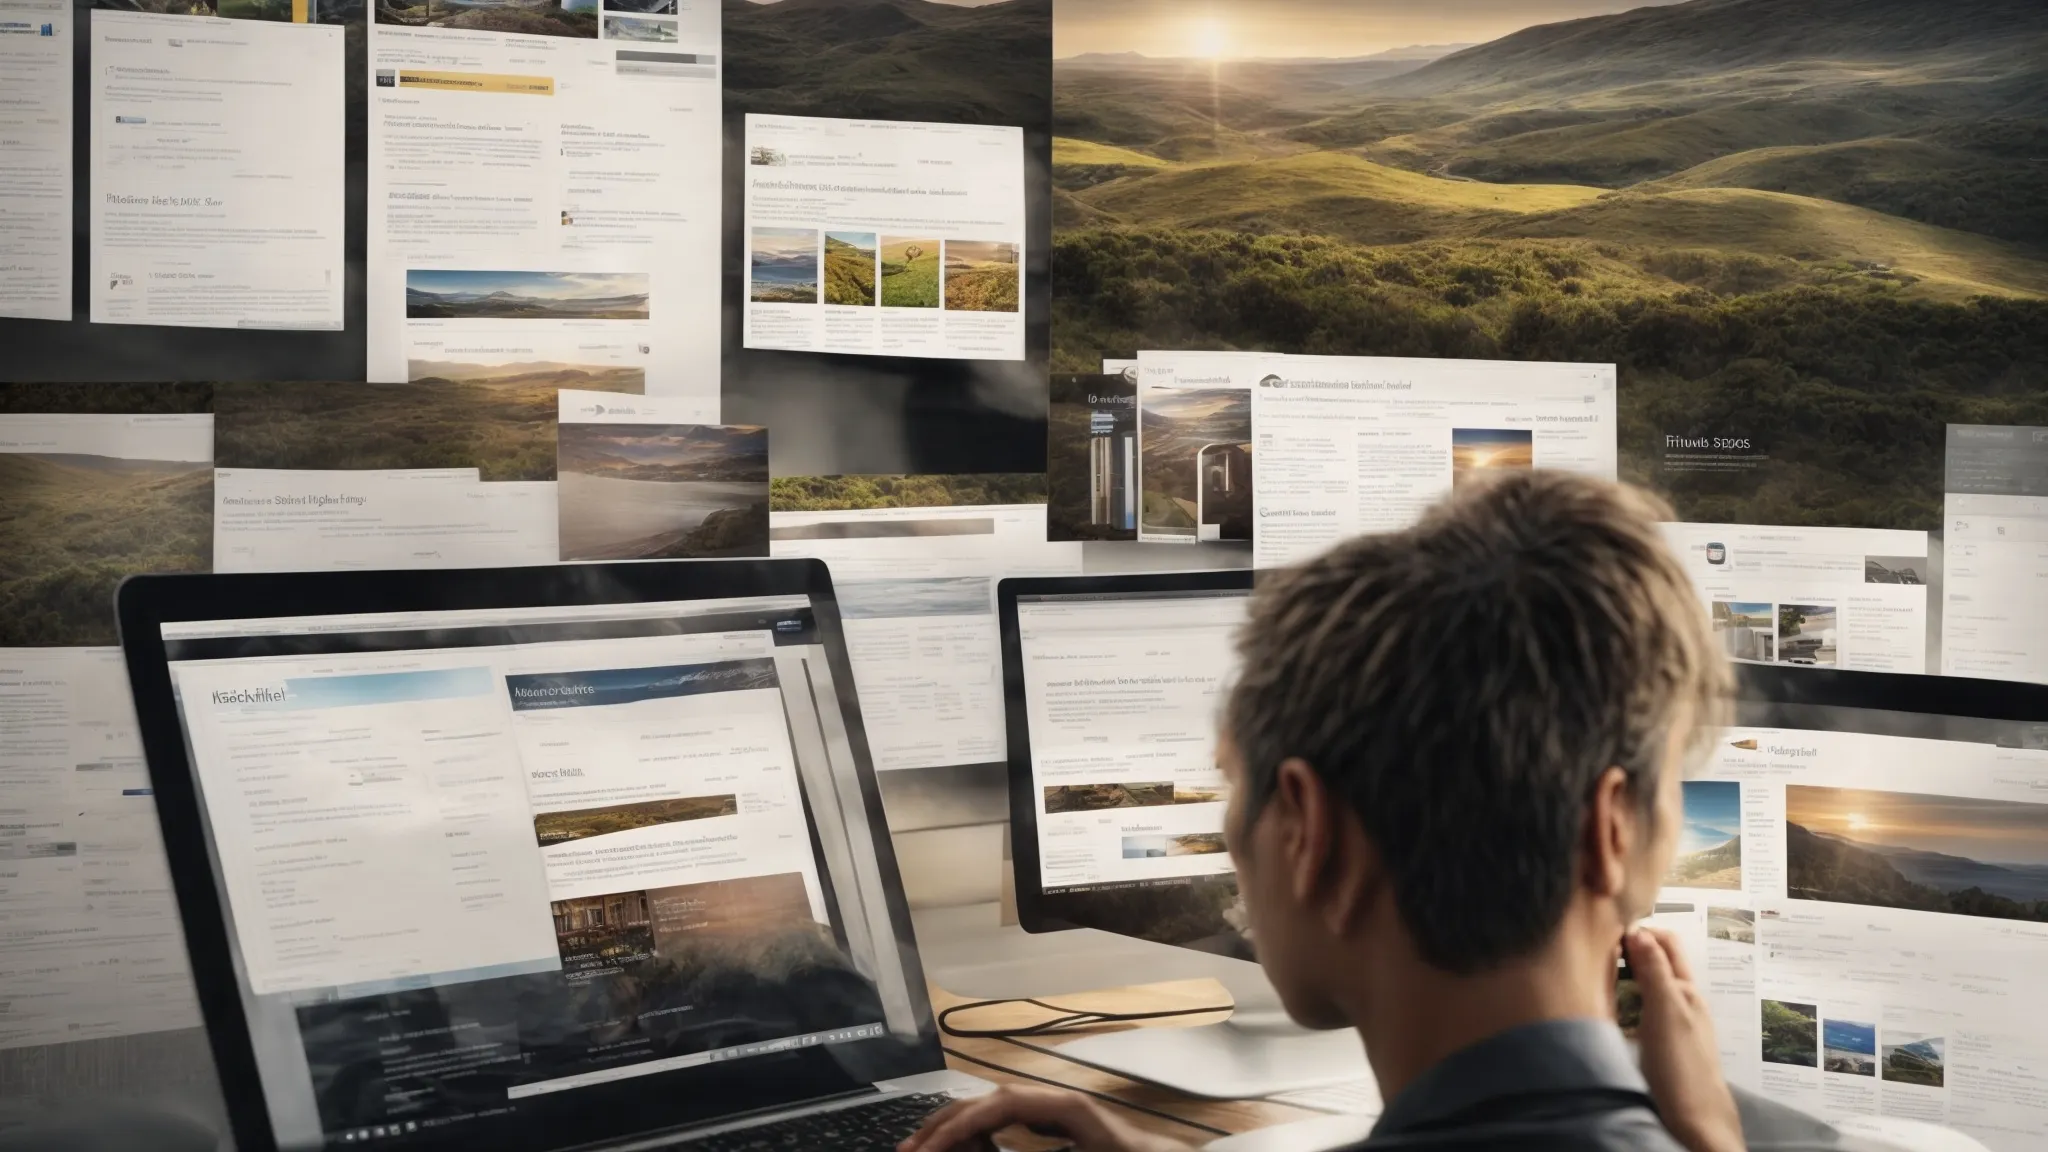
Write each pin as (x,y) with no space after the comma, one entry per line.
(1870,913)
(1123,698)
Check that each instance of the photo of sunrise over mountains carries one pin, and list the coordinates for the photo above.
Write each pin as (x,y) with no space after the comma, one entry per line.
(437,295)
(1927,853)
(1803,220)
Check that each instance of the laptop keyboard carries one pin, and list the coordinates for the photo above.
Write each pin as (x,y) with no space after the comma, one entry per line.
(876,1127)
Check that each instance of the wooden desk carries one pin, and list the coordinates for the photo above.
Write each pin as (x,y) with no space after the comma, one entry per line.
(1231,1116)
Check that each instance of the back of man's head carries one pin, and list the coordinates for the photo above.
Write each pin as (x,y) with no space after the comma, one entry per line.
(1463,685)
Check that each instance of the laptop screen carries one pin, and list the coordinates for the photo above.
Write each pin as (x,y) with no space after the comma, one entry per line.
(488,867)
(1121,695)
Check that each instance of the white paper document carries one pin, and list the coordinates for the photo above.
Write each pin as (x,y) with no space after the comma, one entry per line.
(90,944)
(218,184)
(36,46)
(532,185)
(916,590)
(883,237)
(1351,444)
(1851,598)
(1995,547)
(291,520)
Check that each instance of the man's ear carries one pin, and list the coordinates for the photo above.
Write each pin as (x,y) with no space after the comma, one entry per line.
(1322,847)
(1613,829)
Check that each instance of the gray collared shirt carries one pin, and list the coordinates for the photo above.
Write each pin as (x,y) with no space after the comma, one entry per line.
(1561,1084)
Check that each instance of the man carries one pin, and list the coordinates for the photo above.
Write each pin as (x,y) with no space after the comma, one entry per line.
(1454,754)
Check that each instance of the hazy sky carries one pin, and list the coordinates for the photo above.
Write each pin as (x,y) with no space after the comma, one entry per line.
(1336,28)
(1985,830)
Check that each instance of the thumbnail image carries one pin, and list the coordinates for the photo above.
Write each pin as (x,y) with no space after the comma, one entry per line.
(982,276)
(276,10)
(1196,844)
(932,596)
(1895,570)
(1091,450)
(1912,1058)
(635,28)
(1791,1033)
(1182,794)
(73,524)
(1476,451)
(1925,853)
(662,491)
(1186,464)
(1097,797)
(1710,843)
(164,7)
(1747,629)
(597,934)
(576,18)
(1848,1047)
(757,923)
(1735,925)
(881,529)
(763,156)
(1806,634)
(850,268)
(583,823)
(1145,847)
(910,273)
(1199,912)
(545,375)
(847,493)
(441,295)
(644,7)
(785,266)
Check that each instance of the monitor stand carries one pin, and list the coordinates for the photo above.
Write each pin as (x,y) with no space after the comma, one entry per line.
(1257,1052)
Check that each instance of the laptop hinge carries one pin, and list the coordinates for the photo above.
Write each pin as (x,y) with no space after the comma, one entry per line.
(734,1121)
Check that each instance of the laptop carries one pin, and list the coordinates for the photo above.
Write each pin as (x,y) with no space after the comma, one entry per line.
(587,857)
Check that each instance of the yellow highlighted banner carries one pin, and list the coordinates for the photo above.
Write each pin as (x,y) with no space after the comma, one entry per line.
(477,82)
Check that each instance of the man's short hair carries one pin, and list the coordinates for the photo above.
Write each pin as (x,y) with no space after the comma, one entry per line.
(1465,682)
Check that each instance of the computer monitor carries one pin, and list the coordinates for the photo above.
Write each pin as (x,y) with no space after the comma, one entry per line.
(1111,687)
(526,858)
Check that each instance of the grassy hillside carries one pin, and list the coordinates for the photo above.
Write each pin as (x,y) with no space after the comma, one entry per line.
(910,281)
(849,273)
(838,493)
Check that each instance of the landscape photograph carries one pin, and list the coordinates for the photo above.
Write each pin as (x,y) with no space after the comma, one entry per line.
(1710,842)
(1090,455)
(551,375)
(1895,569)
(1820,227)
(783,266)
(574,18)
(1477,451)
(1154,846)
(910,273)
(162,7)
(637,28)
(1735,925)
(662,491)
(1913,1058)
(1174,426)
(598,934)
(957,63)
(503,425)
(1807,635)
(453,295)
(959,490)
(74,523)
(644,7)
(1747,629)
(1202,913)
(1848,1047)
(850,269)
(928,596)
(982,276)
(583,823)
(1791,1033)
(1100,797)
(1924,853)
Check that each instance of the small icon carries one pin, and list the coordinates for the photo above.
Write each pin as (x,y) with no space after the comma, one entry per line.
(1717,553)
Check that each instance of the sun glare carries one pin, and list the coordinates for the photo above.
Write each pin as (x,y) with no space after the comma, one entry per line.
(1856,822)
(1211,39)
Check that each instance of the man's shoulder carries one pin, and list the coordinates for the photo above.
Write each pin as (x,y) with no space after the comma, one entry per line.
(1626,1129)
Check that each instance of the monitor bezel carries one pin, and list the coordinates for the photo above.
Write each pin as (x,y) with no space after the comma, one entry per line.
(1036,911)
(629,1108)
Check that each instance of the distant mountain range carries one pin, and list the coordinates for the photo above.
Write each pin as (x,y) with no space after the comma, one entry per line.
(424,305)
(1421,53)
(628,452)
(1956,873)
(597,377)
(1824,867)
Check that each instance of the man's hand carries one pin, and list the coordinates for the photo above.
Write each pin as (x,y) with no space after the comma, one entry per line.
(969,1123)
(1680,1059)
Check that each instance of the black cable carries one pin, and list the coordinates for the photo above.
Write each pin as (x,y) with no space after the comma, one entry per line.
(1102,1096)
(1072,1019)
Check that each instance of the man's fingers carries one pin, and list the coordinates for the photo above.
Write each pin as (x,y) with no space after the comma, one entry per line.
(1652,967)
(957,1125)
(932,1122)
(1681,966)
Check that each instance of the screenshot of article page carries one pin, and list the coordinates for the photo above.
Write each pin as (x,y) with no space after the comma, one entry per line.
(1195,475)
(884,237)
(1995,548)
(310,520)
(217,185)
(916,590)
(90,945)
(1874,911)
(36,48)
(546,180)
(1852,598)
(1350,444)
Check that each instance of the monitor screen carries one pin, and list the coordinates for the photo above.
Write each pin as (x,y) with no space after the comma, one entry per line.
(1121,691)
(486,872)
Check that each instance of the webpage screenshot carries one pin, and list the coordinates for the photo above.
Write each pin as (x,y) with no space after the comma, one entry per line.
(1996,549)
(1122,695)
(1867,896)
(476,859)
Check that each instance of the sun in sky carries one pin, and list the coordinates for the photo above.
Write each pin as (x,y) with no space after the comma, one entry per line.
(1856,821)
(1209,38)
